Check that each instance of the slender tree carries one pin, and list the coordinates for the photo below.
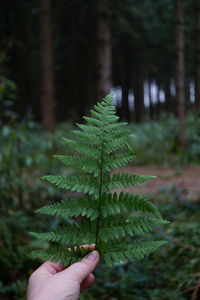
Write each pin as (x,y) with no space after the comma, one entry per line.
(158,102)
(151,108)
(125,101)
(47,73)
(180,68)
(103,48)
(127,68)
(139,96)
(168,96)
(197,84)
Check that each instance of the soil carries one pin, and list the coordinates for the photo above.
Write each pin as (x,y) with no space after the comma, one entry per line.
(186,178)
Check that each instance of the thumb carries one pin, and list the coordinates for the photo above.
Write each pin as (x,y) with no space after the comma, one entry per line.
(80,270)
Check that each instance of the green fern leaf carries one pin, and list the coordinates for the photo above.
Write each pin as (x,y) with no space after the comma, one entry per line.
(115,127)
(116,144)
(71,208)
(124,202)
(125,180)
(85,136)
(114,252)
(90,129)
(62,254)
(110,220)
(118,227)
(82,164)
(82,148)
(117,161)
(70,235)
(73,183)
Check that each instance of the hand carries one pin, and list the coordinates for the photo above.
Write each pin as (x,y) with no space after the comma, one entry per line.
(52,281)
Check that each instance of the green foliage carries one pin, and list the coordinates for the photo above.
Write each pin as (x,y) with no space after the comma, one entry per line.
(153,138)
(108,219)
(26,152)
(170,274)
(167,275)
(8,94)
(20,190)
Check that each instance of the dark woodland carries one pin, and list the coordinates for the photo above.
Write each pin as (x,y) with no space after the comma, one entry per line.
(57,59)
(65,55)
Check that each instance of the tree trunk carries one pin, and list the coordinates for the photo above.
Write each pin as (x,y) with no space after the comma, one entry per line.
(104,48)
(125,102)
(126,71)
(168,97)
(139,97)
(180,69)
(158,102)
(151,108)
(47,74)
(197,83)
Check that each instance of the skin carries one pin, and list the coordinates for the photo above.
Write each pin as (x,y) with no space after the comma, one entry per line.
(52,281)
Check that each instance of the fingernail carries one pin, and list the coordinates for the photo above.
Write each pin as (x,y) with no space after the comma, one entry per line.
(92,255)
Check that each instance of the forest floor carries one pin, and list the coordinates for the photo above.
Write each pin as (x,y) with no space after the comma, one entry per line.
(186,178)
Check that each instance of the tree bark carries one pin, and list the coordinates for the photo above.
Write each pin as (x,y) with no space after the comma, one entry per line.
(47,72)
(158,102)
(125,101)
(197,83)
(151,108)
(168,97)
(139,97)
(103,48)
(180,68)
(126,71)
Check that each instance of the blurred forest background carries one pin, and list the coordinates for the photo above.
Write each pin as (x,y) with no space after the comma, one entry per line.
(57,58)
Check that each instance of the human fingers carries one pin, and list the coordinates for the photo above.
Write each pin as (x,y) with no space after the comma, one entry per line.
(81,270)
(55,267)
(50,267)
(91,246)
(87,282)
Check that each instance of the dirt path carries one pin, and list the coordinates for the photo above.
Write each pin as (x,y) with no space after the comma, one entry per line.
(186,178)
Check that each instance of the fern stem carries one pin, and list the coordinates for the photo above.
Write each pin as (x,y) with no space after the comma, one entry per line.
(100,195)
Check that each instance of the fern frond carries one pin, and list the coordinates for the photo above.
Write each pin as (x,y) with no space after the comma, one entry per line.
(125,180)
(73,183)
(61,254)
(93,121)
(113,228)
(115,127)
(71,208)
(106,110)
(104,116)
(85,136)
(90,129)
(82,164)
(83,148)
(70,235)
(117,161)
(108,219)
(125,202)
(117,252)
(109,136)
(116,144)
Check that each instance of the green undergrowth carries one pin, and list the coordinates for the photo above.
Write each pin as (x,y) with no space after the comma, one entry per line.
(26,154)
(172,273)
(157,142)
(153,142)
(112,221)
